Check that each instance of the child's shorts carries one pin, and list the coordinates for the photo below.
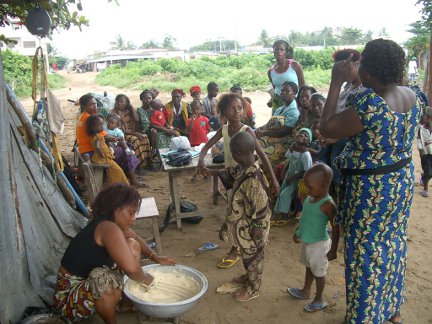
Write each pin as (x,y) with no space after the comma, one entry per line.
(314,256)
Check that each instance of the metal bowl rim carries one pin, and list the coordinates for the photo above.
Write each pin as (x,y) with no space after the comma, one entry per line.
(180,303)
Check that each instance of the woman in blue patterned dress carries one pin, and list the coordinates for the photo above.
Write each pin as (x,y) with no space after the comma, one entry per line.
(380,124)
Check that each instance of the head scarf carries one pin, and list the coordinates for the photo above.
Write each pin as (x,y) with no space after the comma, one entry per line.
(308,131)
(179,91)
(195,88)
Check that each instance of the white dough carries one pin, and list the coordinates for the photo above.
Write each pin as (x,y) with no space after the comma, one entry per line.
(166,288)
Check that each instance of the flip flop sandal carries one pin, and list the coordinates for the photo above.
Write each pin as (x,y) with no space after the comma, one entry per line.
(280,223)
(245,299)
(296,293)
(424,194)
(314,307)
(226,263)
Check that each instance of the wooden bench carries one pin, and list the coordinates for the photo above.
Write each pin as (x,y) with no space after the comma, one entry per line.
(148,210)
(93,176)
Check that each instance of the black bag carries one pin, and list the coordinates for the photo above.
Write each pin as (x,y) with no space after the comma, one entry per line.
(219,158)
(179,158)
(185,207)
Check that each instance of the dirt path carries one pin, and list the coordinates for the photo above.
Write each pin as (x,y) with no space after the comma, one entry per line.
(282,268)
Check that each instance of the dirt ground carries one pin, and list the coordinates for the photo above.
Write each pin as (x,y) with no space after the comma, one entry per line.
(282,268)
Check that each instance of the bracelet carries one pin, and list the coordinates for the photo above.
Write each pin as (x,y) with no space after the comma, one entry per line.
(150,256)
(257,225)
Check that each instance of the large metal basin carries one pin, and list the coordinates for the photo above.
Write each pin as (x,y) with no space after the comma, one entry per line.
(160,310)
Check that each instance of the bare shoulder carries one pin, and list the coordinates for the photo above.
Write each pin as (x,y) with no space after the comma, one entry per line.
(106,229)
(328,207)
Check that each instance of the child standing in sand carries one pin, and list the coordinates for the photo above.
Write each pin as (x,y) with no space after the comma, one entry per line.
(248,219)
(230,107)
(317,248)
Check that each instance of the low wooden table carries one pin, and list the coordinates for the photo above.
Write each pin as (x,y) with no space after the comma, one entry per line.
(175,172)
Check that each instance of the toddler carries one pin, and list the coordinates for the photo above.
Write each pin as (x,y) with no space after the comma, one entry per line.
(116,133)
(317,248)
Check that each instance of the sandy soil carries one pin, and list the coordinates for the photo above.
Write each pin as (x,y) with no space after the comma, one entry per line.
(282,268)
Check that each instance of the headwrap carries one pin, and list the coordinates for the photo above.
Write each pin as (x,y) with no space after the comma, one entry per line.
(195,88)
(179,91)
(308,131)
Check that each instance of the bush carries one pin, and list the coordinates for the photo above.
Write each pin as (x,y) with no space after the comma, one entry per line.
(18,74)
(247,70)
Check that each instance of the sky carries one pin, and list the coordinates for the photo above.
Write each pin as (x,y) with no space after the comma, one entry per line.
(192,22)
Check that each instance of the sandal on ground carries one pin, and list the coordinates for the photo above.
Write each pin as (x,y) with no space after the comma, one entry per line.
(243,295)
(226,262)
(314,307)
(279,223)
(424,193)
(296,293)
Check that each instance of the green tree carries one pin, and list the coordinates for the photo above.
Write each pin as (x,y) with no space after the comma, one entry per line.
(121,44)
(418,44)
(426,22)
(264,39)
(350,36)
(169,42)
(51,49)
(150,44)
(368,36)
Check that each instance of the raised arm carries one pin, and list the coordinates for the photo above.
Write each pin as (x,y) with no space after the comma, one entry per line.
(346,123)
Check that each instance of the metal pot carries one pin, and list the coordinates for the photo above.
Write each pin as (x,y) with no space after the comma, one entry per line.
(174,309)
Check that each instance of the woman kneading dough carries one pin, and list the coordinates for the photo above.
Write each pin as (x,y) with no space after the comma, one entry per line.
(90,278)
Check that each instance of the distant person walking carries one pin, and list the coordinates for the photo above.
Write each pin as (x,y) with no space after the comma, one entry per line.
(412,71)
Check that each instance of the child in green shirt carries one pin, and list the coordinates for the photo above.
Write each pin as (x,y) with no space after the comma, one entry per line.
(317,248)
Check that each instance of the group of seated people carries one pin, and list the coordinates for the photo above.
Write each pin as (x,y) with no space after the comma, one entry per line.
(126,138)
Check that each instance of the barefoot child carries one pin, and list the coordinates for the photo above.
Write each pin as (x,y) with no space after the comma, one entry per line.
(317,248)
(247,222)
(102,153)
(230,107)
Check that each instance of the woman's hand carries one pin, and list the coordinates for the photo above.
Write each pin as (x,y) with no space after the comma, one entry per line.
(259,132)
(341,70)
(148,278)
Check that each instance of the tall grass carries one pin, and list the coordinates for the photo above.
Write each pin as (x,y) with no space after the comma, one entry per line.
(249,71)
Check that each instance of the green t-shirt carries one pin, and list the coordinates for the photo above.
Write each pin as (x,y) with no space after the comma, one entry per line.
(313,222)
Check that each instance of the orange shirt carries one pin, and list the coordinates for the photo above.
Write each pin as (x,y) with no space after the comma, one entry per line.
(83,139)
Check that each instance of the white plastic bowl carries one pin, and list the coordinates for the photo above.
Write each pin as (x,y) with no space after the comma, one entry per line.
(160,310)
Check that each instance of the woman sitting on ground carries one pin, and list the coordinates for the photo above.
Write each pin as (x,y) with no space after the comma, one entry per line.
(90,278)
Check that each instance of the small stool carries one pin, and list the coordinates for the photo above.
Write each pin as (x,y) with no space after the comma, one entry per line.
(149,209)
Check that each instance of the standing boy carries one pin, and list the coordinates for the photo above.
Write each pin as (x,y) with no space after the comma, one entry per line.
(209,105)
(248,218)
(317,248)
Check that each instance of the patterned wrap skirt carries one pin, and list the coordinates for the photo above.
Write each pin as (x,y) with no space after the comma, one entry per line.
(374,210)
(74,296)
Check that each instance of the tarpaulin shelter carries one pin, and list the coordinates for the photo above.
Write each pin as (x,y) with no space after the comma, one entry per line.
(36,222)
